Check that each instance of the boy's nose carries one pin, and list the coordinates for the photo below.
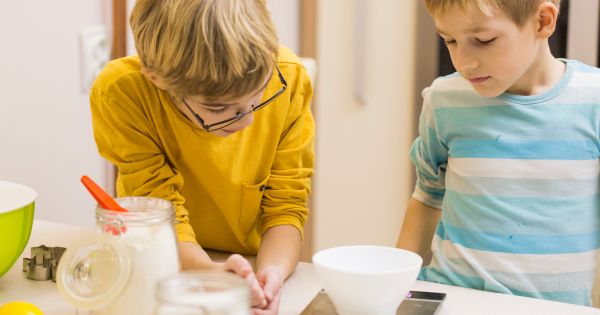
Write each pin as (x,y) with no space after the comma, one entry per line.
(465,60)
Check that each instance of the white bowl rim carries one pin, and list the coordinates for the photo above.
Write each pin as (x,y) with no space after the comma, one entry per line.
(21,196)
(316,261)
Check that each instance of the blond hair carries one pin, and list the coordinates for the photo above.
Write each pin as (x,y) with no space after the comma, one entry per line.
(517,10)
(214,48)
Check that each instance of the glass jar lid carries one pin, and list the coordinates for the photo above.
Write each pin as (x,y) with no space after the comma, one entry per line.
(93,273)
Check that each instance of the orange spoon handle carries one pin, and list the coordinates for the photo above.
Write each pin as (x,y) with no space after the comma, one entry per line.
(104,200)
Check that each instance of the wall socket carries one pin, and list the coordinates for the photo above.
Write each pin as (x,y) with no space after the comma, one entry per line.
(95,53)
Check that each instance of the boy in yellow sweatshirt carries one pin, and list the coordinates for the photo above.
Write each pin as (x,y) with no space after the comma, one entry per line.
(214,116)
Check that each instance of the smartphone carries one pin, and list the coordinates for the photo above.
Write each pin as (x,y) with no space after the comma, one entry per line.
(421,303)
(415,303)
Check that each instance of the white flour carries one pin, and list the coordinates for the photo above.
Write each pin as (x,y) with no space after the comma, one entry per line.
(153,253)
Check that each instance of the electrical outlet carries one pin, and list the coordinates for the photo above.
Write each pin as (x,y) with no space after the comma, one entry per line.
(95,53)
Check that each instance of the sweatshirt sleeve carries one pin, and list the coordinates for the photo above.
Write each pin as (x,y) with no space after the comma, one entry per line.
(285,200)
(429,154)
(125,137)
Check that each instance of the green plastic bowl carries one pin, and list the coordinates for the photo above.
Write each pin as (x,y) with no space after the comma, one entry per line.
(17,203)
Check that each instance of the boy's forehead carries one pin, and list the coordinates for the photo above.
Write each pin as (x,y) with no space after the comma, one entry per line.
(467,7)
(468,20)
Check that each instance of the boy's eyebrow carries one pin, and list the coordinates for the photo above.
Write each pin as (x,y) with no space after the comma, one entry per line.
(440,32)
(476,29)
(217,104)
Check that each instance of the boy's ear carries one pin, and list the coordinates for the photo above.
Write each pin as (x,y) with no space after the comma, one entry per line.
(154,78)
(547,16)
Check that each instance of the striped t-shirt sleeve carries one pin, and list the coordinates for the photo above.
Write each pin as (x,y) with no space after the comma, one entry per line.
(430,157)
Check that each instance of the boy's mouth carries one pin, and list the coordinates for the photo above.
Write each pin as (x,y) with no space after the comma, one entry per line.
(478,80)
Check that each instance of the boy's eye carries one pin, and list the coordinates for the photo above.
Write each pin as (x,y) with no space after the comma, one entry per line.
(217,110)
(449,41)
(485,42)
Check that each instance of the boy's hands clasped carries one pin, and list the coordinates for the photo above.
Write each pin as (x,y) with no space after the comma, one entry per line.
(241,267)
(271,280)
(265,286)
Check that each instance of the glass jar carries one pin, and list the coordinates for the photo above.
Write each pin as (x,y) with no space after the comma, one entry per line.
(116,272)
(203,293)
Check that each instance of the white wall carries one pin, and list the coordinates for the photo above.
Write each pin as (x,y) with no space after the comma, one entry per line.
(286,17)
(46,137)
(582,37)
(363,173)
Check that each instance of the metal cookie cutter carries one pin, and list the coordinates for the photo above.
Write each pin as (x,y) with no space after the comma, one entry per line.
(43,262)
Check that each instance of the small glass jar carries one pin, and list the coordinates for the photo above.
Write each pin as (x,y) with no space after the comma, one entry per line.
(203,293)
(117,271)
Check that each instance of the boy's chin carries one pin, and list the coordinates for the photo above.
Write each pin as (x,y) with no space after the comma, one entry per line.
(488,92)
(224,133)
(221,134)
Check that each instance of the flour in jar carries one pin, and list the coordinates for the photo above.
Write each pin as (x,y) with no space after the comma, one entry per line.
(153,253)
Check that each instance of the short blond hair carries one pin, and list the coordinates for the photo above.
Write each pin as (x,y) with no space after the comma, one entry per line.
(214,48)
(517,10)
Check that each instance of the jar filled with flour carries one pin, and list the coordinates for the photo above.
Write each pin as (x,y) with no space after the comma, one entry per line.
(117,271)
(203,293)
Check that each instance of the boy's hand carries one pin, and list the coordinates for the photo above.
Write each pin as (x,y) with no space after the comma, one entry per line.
(241,267)
(271,309)
(271,279)
(194,257)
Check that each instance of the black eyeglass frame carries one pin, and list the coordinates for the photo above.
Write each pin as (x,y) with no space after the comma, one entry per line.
(239,115)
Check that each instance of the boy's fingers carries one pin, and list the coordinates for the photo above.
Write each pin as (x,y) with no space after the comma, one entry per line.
(272,281)
(238,265)
(258,297)
(271,309)
(269,286)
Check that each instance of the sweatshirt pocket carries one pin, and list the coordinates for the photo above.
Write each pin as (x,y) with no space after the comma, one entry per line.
(250,207)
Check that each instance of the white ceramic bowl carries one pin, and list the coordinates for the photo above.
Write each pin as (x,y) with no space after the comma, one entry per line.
(363,279)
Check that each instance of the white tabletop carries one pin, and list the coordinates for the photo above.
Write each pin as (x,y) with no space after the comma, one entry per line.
(298,290)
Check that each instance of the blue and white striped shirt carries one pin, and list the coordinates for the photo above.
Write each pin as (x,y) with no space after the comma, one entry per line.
(517,179)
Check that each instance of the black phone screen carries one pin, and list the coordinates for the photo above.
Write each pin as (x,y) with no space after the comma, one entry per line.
(421,303)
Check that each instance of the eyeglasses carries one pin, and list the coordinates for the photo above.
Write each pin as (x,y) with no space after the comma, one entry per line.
(224,123)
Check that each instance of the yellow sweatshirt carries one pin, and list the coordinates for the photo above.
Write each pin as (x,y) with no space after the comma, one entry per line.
(227,191)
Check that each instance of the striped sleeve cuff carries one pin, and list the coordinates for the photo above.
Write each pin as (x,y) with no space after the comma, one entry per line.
(427,199)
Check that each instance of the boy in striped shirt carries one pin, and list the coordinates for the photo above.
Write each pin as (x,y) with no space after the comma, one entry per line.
(508,150)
